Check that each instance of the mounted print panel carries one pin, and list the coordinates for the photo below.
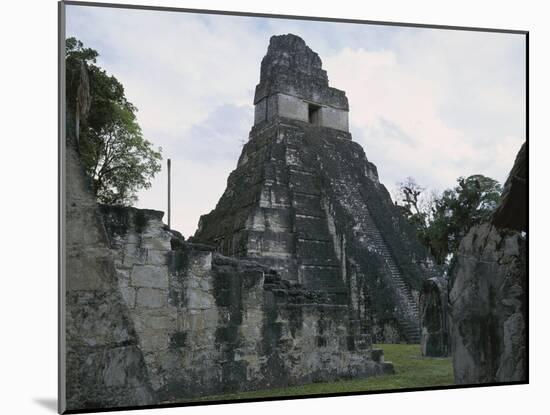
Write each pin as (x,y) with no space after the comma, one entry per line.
(257,206)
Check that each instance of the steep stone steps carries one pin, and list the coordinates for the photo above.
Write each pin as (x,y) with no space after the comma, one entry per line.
(408,318)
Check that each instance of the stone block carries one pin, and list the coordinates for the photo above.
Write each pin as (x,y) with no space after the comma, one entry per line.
(78,219)
(154,341)
(200,262)
(151,298)
(156,257)
(292,107)
(199,300)
(90,270)
(334,118)
(163,322)
(151,276)
(205,320)
(129,296)
(132,254)
(153,318)
(156,242)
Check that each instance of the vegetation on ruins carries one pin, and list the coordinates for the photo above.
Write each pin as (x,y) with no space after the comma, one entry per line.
(117,158)
(442,220)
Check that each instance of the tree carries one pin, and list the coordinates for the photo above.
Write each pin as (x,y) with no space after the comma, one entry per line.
(116,156)
(457,210)
(408,198)
(416,205)
(442,221)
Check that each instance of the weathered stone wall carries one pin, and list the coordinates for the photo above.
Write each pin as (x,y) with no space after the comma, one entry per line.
(488,307)
(104,363)
(488,297)
(209,324)
(434,318)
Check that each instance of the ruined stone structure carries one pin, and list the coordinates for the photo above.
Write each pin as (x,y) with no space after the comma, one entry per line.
(305,201)
(209,324)
(488,301)
(434,318)
(488,296)
(302,266)
(104,364)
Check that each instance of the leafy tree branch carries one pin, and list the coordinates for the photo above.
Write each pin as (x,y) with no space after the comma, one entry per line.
(116,156)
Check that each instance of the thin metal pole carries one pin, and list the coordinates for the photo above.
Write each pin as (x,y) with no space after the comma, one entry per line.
(169,167)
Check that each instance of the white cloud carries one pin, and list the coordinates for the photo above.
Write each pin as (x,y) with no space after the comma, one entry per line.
(176,67)
(436,105)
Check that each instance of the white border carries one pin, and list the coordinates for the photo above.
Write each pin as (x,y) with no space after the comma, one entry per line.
(29,203)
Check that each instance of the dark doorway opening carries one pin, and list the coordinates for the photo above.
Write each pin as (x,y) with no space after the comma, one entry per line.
(314,112)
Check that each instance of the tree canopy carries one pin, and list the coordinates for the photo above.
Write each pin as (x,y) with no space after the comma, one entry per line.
(116,156)
(443,220)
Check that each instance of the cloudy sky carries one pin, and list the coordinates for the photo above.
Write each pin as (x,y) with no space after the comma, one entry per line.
(431,104)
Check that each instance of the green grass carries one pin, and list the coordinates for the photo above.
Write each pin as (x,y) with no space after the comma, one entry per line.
(411,371)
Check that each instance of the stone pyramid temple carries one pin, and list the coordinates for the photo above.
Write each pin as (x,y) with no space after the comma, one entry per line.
(305,201)
(303,265)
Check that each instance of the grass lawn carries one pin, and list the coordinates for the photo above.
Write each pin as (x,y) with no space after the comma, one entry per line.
(411,371)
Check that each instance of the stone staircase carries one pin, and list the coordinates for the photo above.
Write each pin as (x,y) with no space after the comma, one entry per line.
(407,312)
(408,318)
